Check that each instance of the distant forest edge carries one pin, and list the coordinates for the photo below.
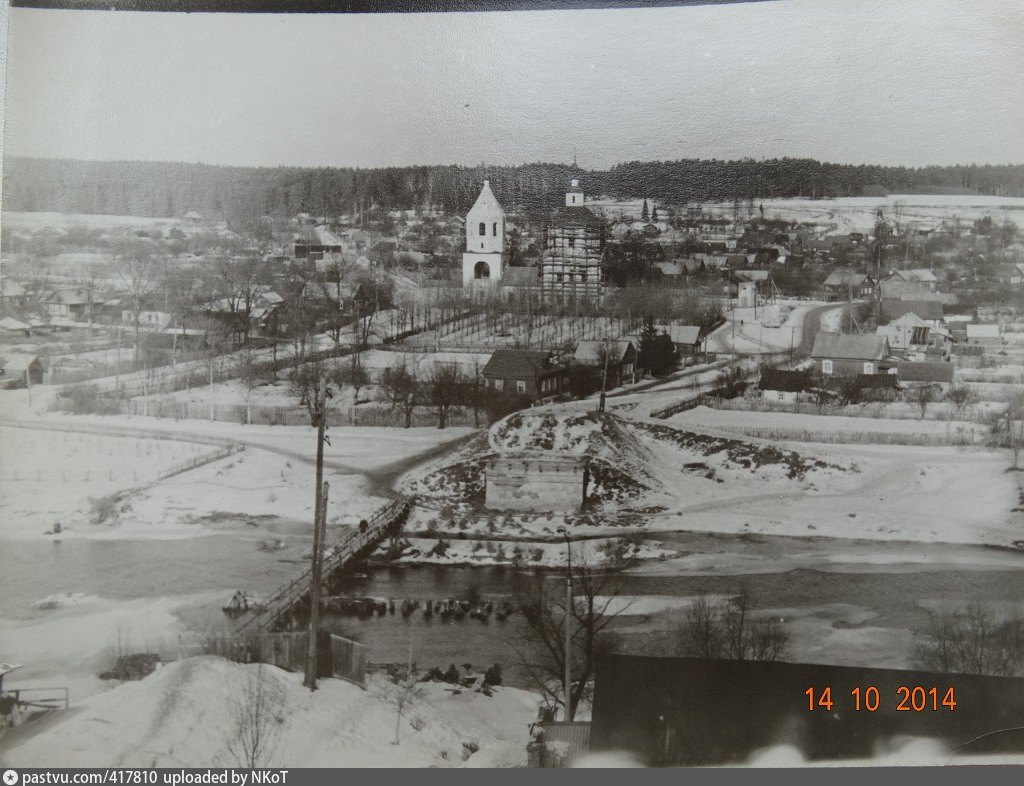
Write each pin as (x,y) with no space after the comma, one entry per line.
(238,194)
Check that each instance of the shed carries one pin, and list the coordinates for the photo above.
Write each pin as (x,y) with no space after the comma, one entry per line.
(14,369)
(936,372)
(782,385)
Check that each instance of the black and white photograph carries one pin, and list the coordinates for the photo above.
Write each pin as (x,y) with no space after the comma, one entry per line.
(511,385)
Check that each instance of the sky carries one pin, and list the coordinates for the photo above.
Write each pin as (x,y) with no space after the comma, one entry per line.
(908,83)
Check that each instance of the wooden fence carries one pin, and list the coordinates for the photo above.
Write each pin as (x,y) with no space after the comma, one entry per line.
(274,415)
(338,657)
(959,437)
(199,461)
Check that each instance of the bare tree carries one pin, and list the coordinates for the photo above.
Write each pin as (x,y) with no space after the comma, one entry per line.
(540,648)
(402,388)
(713,630)
(252,376)
(445,389)
(406,689)
(960,396)
(924,396)
(137,268)
(256,719)
(352,375)
(1007,428)
(240,281)
(972,640)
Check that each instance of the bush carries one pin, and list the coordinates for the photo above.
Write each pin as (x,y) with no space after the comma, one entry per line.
(104,508)
(87,399)
(972,641)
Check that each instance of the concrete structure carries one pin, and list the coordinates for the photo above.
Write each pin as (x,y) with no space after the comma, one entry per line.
(484,258)
(551,483)
(571,267)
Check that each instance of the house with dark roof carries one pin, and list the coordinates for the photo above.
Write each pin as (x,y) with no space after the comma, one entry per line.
(782,385)
(531,373)
(845,284)
(848,354)
(894,308)
(921,276)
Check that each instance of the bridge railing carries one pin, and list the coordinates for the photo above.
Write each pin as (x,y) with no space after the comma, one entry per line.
(335,557)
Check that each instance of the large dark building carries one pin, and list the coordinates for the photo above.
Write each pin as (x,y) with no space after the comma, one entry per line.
(689,711)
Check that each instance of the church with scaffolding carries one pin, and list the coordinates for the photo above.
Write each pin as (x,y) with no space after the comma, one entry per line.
(571,267)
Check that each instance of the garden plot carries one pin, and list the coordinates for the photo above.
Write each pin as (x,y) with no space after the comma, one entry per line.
(51,476)
(755,422)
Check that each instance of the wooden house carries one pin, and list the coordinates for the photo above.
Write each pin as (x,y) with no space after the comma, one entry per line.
(530,373)
(847,354)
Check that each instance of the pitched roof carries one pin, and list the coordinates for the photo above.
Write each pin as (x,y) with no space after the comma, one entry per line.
(590,350)
(894,308)
(845,278)
(519,277)
(486,202)
(517,363)
(681,334)
(849,346)
(10,323)
(922,275)
(983,331)
(783,379)
(576,216)
(934,371)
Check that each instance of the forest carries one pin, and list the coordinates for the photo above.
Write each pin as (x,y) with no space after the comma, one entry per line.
(239,194)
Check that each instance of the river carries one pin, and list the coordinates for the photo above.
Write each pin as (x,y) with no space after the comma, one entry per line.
(222,563)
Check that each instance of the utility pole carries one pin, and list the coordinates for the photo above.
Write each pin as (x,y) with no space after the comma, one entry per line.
(319,522)
(604,377)
(568,624)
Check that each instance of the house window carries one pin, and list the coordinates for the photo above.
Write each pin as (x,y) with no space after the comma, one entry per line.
(826,367)
(869,368)
(482,229)
(494,229)
(572,242)
(499,384)
(520,386)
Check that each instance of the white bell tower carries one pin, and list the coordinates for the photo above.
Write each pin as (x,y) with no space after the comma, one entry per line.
(574,196)
(483,262)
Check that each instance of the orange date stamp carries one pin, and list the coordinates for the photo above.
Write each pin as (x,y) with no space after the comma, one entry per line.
(908,698)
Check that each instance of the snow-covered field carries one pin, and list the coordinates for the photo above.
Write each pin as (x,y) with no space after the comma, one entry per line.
(29,221)
(186,713)
(857,214)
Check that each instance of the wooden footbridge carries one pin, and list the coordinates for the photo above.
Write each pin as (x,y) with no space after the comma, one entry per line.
(292,600)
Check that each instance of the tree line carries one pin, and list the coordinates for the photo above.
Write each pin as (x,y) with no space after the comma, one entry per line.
(237,194)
